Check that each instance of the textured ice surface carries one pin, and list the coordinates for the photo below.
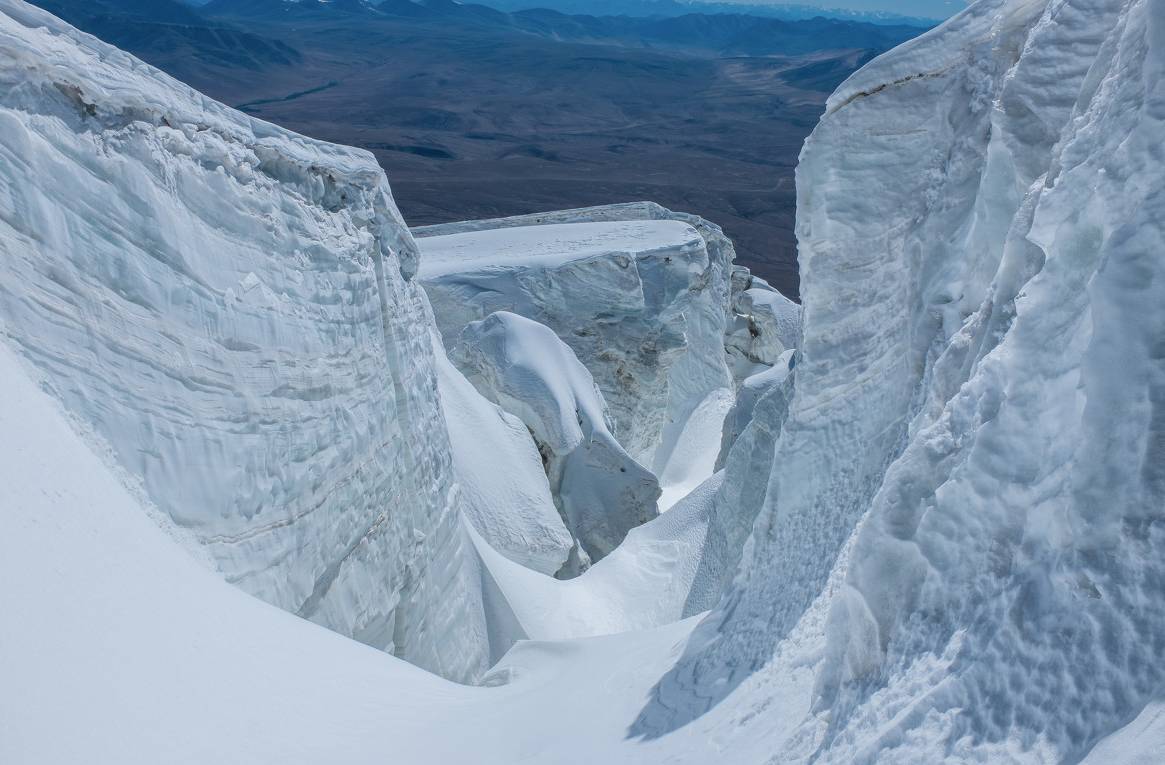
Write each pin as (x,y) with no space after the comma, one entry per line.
(751,391)
(523,367)
(228,305)
(637,291)
(974,444)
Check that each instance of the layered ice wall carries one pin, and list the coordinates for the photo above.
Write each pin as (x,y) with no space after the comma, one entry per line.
(975,447)
(229,306)
(637,291)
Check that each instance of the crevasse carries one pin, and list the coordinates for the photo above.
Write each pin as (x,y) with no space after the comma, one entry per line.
(939,534)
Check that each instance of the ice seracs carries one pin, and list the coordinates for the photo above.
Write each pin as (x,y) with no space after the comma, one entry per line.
(763,324)
(637,291)
(752,390)
(940,529)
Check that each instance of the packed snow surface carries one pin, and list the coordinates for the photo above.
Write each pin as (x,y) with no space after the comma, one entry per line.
(551,245)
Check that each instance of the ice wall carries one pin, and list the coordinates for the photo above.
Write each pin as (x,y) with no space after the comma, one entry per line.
(229,306)
(973,451)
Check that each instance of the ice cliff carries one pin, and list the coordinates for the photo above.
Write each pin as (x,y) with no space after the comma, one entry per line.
(763,324)
(230,308)
(968,479)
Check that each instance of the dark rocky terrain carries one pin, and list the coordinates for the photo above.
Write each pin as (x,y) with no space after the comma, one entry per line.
(478,113)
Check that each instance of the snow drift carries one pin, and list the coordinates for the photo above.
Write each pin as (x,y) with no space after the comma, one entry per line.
(523,367)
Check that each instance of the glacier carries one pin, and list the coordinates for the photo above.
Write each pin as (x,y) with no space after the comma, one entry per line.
(964,504)
(928,514)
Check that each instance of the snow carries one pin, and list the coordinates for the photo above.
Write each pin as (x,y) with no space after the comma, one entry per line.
(523,367)
(694,458)
(644,583)
(940,531)
(1141,742)
(552,245)
(511,508)
(127,650)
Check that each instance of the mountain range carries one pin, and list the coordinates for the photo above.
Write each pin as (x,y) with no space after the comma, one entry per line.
(476,112)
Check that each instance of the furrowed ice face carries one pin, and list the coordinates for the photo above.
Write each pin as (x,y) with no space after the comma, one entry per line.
(229,306)
(970,467)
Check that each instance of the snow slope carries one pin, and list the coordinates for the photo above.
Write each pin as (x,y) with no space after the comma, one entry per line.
(511,508)
(123,649)
(229,306)
(638,292)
